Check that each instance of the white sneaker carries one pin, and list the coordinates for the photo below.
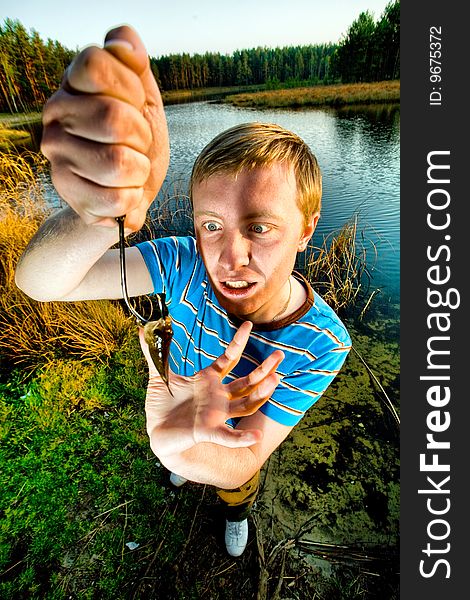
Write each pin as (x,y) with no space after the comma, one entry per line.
(177,480)
(236,537)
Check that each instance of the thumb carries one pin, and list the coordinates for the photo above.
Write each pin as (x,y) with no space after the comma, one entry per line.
(125,44)
(232,438)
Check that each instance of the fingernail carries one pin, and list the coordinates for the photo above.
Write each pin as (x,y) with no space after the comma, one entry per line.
(117,43)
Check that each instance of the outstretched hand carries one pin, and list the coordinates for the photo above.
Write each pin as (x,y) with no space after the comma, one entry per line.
(201,404)
(105,132)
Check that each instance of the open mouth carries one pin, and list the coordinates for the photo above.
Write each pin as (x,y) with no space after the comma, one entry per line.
(237,288)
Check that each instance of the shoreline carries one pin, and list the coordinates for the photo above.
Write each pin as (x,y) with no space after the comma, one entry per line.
(337,95)
(11,132)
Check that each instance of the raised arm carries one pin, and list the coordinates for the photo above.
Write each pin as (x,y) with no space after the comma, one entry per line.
(106,137)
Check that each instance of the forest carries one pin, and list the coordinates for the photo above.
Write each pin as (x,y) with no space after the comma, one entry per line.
(31,69)
(370,51)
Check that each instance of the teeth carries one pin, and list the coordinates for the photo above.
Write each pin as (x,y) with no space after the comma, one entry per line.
(237,284)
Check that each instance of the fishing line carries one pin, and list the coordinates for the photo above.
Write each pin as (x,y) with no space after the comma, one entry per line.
(122,262)
(158,333)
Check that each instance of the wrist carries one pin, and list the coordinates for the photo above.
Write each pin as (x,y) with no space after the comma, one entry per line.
(211,464)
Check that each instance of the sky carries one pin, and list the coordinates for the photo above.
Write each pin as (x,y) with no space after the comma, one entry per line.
(192,26)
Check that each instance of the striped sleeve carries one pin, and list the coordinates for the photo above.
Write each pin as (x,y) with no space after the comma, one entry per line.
(165,259)
(311,363)
(299,390)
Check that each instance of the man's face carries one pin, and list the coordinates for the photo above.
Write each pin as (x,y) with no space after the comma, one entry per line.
(249,229)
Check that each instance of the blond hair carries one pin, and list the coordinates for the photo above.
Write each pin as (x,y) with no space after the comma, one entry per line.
(252,145)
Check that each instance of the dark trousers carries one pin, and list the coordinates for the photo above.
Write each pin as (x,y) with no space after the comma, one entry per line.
(238,502)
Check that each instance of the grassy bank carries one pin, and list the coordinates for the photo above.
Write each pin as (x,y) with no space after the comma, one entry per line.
(9,136)
(87,511)
(328,95)
(195,95)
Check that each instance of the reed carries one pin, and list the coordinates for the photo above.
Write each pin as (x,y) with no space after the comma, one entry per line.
(36,332)
(172,213)
(337,268)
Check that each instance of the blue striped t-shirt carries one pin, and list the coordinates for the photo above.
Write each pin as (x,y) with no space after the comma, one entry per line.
(315,342)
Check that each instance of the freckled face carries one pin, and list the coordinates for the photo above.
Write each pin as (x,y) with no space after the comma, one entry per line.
(249,229)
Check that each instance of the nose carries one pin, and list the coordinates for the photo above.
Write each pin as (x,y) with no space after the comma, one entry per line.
(235,252)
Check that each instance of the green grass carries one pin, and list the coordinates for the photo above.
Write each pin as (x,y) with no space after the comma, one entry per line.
(79,482)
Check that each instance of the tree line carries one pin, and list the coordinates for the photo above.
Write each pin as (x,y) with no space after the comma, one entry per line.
(370,51)
(31,69)
(244,67)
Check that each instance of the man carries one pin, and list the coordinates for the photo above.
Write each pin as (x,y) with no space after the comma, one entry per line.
(253,346)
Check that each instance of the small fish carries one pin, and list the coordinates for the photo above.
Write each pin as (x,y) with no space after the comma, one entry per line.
(158,335)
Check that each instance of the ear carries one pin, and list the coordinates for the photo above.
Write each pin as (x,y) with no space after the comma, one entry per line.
(308,232)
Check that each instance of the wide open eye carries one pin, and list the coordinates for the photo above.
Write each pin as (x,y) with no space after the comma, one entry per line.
(259,228)
(211,226)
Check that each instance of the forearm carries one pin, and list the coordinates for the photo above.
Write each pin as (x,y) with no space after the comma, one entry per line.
(60,255)
(212,464)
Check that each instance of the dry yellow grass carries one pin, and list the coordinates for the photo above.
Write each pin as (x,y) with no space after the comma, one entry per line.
(10,137)
(336,269)
(321,95)
(35,332)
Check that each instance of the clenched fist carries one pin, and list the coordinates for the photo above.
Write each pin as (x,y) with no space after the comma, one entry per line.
(105,133)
